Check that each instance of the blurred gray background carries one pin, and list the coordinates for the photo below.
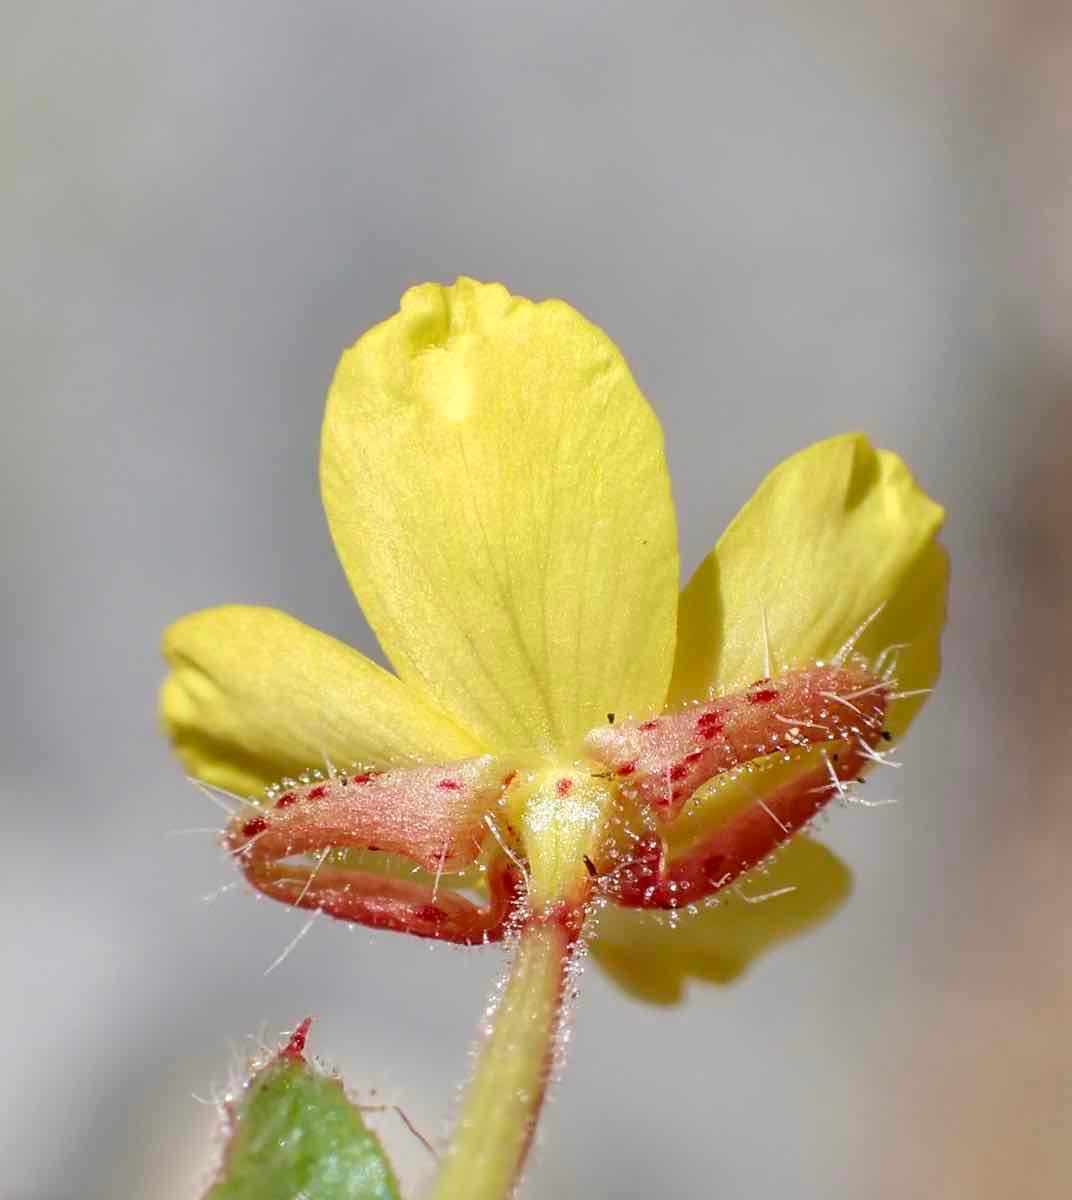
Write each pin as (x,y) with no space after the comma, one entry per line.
(796,218)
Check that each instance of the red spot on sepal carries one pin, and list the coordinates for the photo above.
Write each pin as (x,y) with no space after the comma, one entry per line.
(429,912)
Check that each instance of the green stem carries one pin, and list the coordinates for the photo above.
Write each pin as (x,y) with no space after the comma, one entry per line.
(503,1099)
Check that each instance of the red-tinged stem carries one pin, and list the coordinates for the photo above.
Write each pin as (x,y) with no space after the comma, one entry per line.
(502,1100)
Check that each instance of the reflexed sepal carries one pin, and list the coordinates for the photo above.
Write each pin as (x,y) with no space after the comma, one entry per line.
(293,1132)
(329,845)
(816,727)
(660,762)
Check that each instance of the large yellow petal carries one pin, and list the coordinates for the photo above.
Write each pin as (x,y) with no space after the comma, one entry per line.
(254,695)
(837,534)
(496,489)
(653,956)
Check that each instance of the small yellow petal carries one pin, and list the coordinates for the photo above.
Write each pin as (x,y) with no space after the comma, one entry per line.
(496,489)
(254,695)
(561,816)
(653,960)
(837,536)
(725,796)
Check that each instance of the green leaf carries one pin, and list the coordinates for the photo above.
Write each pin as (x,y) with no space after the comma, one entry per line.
(294,1134)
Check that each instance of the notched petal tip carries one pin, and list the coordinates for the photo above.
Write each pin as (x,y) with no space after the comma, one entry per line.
(524,583)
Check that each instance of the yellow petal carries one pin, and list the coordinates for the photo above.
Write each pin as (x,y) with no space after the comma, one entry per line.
(653,959)
(837,534)
(496,489)
(254,695)
(561,817)
(716,804)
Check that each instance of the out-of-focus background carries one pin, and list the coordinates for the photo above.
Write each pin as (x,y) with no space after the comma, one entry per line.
(796,218)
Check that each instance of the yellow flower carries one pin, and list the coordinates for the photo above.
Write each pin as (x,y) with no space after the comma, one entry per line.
(560,721)
(561,724)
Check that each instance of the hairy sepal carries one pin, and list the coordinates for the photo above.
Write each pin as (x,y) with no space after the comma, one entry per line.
(827,719)
(660,762)
(293,849)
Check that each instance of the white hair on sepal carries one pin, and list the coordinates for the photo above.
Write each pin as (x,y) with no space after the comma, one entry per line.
(846,792)
(219,796)
(222,890)
(891,652)
(768,659)
(867,691)
(763,897)
(773,816)
(843,700)
(285,953)
(868,802)
(238,851)
(439,872)
(848,646)
(312,875)
(878,757)
(489,821)
(840,786)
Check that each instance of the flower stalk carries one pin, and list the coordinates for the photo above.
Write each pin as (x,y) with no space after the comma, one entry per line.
(563,818)
(502,1101)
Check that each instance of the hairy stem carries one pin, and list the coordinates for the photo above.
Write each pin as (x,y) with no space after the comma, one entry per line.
(503,1099)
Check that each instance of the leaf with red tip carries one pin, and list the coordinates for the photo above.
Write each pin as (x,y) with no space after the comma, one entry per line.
(294,1133)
